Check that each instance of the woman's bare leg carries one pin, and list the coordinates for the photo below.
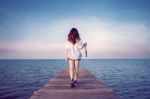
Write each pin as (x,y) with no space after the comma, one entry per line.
(71,69)
(76,69)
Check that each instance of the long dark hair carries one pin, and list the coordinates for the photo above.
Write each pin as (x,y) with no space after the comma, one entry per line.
(73,35)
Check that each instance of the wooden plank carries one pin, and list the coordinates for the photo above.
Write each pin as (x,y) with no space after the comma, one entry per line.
(88,88)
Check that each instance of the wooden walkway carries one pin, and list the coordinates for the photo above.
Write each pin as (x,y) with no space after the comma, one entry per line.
(88,88)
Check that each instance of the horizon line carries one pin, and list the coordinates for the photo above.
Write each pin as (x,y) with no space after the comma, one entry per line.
(81,59)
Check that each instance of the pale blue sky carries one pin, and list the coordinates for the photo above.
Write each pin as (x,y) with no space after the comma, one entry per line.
(39,28)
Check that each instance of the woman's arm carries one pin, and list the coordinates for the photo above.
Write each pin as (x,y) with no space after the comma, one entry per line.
(66,50)
(66,53)
(86,52)
(84,45)
(85,48)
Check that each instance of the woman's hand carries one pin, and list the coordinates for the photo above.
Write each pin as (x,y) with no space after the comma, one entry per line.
(84,44)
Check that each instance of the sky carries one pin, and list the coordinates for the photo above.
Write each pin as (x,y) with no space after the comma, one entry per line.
(38,29)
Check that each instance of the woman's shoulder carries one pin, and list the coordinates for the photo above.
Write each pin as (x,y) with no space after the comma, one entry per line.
(68,42)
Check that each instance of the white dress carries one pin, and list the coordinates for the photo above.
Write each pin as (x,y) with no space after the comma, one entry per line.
(74,50)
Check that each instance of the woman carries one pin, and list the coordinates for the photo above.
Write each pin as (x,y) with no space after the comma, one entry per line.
(73,54)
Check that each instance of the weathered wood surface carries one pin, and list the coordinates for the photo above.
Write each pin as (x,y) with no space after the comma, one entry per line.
(88,88)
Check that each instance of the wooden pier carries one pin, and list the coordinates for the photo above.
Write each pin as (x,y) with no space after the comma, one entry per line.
(88,88)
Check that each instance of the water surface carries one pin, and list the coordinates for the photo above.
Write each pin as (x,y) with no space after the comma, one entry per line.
(130,79)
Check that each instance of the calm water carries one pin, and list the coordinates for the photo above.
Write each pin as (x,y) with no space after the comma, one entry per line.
(130,79)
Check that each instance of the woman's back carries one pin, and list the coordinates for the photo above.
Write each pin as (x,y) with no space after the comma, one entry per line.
(74,50)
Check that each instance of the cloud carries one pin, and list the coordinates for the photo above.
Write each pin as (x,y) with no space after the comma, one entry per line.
(106,39)
(31,50)
(112,39)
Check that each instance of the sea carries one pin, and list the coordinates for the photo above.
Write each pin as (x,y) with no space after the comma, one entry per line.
(129,78)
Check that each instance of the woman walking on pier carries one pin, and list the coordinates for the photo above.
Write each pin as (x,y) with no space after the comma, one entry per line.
(73,54)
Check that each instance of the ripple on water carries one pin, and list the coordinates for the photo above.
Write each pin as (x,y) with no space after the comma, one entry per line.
(128,78)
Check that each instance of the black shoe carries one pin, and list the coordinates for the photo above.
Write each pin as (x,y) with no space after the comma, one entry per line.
(75,83)
(72,84)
